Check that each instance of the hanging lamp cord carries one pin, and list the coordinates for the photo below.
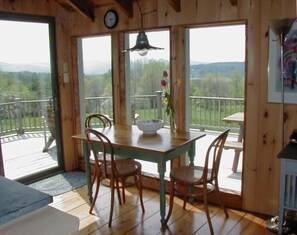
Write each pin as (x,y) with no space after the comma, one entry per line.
(142,14)
(141,20)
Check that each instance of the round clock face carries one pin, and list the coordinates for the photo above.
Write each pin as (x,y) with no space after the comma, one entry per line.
(111,19)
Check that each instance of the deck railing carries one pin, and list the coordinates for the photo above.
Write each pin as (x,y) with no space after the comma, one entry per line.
(207,112)
(19,116)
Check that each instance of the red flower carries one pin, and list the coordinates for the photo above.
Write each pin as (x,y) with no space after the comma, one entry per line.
(165,74)
(163,83)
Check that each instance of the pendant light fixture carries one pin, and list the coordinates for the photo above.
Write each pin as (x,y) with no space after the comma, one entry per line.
(142,45)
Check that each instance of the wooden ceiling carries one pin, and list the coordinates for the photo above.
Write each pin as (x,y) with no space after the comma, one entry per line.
(87,7)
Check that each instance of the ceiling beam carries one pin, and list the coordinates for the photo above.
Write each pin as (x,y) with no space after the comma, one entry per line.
(84,8)
(233,2)
(127,6)
(175,4)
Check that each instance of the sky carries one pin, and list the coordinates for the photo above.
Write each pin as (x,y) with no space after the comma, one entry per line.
(211,44)
(23,43)
(218,44)
(93,44)
(93,49)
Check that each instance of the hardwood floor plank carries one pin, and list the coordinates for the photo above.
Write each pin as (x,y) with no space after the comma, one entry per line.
(128,218)
(250,224)
(257,226)
(221,224)
(181,221)
(129,215)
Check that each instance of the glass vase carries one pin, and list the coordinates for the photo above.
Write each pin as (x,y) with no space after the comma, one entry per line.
(172,122)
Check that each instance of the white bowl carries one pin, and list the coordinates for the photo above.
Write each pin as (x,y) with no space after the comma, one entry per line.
(149,126)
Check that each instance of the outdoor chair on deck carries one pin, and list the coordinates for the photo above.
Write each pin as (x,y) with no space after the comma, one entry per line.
(198,182)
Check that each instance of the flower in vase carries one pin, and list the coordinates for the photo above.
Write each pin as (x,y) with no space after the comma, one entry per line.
(168,100)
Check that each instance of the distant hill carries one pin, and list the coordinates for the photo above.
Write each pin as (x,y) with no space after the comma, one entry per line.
(200,70)
(37,68)
(96,67)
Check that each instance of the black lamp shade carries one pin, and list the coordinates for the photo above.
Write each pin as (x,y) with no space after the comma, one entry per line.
(142,44)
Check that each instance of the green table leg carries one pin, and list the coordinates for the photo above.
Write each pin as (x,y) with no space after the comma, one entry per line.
(162,170)
(88,171)
(191,153)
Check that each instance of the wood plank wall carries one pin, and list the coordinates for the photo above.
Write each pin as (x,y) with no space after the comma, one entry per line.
(262,123)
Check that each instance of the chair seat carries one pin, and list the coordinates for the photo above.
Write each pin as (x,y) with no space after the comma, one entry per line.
(125,167)
(188,174)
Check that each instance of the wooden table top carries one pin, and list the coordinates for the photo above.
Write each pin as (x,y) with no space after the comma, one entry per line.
(161,142)
(236,117)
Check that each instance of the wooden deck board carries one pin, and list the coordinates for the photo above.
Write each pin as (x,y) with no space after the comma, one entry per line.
(23,155)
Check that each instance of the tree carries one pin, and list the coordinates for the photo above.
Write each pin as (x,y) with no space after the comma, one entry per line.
(135,76)
(98,85)
(237,85)
(214,85)
(151,77)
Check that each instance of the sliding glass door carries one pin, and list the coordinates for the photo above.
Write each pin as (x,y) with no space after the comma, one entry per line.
(29,124)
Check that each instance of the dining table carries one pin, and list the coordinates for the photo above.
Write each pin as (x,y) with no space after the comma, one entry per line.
(160,147)
(237,118)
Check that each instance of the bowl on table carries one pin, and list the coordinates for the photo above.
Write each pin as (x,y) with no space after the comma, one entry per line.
(149,126)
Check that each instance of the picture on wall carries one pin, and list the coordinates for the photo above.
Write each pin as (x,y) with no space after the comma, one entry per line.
(289,67)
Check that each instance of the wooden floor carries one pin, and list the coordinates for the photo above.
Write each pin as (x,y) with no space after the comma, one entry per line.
(128,218)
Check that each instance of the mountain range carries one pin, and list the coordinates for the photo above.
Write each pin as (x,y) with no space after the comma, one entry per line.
(37,68)
(201,69)
(198,70)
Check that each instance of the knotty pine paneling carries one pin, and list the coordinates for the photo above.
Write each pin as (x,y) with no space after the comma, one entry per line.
(253,13)
(269,134)
(262,119)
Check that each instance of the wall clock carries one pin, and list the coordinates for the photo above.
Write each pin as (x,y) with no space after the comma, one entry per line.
(111,19)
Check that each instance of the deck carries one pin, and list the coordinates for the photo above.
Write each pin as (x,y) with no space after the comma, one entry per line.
(23,155)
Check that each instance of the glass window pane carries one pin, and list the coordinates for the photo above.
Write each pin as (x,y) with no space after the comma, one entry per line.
(96,53)
(144,75)
(216,90)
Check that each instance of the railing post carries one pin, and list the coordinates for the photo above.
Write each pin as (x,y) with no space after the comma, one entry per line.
(159,104)
(18,112)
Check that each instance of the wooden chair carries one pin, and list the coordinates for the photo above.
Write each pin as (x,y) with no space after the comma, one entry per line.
(97,120)
(100,120)
(117,171)
(196,182)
